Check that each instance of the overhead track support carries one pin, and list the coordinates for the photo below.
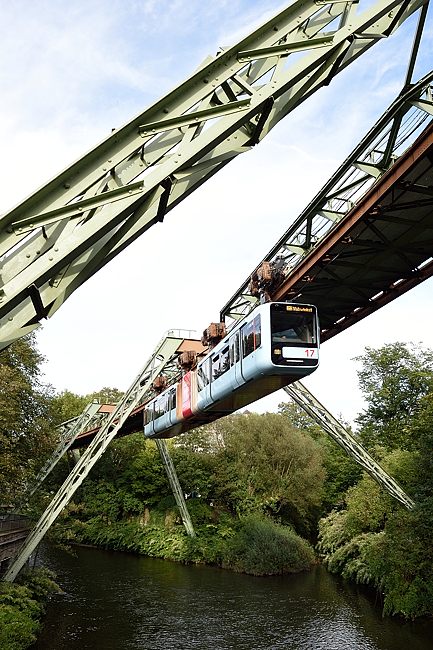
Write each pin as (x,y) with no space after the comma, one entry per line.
(175,487)
(69,229)
(306,400)
(162,355)
(71,430)
(380,151)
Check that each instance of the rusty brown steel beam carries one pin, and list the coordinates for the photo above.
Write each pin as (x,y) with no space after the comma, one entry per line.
(350,230)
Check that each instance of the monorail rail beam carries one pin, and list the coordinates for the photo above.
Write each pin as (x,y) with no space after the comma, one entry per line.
(68,230)
(393,133)
(133,396)
(306,400)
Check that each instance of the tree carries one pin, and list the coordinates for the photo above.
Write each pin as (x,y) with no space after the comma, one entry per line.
(67,405)
(374,540)
(267,464)
(393,379)
(341,470)
(26,428)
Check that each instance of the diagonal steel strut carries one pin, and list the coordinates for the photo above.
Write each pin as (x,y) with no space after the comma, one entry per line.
(77,426)
(65,232)
(133,396)
(302,396)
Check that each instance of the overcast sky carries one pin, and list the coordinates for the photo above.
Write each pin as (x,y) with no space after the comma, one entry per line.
(72,71)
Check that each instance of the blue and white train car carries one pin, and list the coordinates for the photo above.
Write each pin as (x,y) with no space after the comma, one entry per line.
(276,344)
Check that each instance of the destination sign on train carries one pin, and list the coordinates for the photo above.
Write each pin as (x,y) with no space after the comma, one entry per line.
(298,308)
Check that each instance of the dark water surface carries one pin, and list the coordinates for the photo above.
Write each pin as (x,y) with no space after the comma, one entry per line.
(115,601)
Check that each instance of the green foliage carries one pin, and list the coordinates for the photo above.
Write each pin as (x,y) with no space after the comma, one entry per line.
(26,434)
(393,379)
(262,547)
(375,541)
(21,607)
(67,405)
(267,464)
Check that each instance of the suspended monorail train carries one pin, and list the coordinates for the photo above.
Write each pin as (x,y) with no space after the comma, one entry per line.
(276,344)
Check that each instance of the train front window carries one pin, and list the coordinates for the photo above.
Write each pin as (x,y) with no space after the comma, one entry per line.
(293,325)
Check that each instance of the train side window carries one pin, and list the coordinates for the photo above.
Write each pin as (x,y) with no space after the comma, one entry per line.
(161,405)
(257,332)
(220,363)
(203,374)
(147,415)
(149,409)
(224,360)
(172,399)
(237,352)
(215,366)
(234,349)
(247,333)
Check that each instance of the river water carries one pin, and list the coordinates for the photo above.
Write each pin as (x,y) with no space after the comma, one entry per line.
(116,601)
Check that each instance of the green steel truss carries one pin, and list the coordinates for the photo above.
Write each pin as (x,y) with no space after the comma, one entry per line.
(302,396)
(70,430)
(163,354)
(65,232)
(394,132)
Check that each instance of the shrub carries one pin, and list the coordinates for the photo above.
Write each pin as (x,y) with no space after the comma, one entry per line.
(21,607)
(262,547)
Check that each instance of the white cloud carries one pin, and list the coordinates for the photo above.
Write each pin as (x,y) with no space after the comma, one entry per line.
(71,72)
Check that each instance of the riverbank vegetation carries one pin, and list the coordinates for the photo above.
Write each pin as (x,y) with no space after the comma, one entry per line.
(22,606)
(268,494)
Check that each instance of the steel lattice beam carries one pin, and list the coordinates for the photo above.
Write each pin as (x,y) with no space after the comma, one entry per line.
(63,234)
(175,487)
(394,132)
(302,396)
(109,429)
(77,426)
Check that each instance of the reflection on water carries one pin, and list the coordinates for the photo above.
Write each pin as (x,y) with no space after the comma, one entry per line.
(115,601)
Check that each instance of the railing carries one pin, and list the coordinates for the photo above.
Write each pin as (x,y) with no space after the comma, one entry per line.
(13,531)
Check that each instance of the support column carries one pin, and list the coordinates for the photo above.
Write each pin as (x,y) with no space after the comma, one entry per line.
(175,486)
(302,396)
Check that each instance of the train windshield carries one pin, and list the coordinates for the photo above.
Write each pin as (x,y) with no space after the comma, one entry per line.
(293,324)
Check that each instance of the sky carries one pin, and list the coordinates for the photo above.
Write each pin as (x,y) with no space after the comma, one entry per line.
(72,71)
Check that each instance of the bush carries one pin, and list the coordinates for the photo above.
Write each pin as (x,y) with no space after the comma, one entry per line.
(262,547)
(21,607)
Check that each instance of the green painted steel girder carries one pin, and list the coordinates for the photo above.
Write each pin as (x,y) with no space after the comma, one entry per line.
(65,232)
(302,396)
(162,355)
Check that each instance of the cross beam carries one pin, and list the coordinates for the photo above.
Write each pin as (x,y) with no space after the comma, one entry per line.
(68,230)
(163,353)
